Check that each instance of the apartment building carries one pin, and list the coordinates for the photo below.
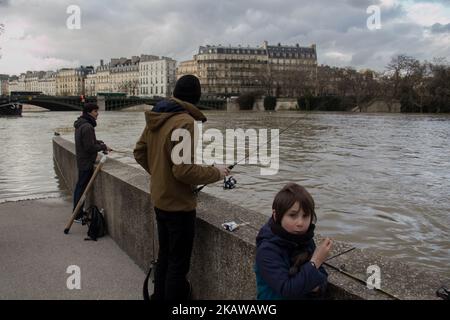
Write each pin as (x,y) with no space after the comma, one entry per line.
(268,68)
(47,83)
(157,76)
(4,85)
(187,67)
(70,82)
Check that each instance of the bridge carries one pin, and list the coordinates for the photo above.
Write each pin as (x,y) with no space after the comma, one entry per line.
(74,103)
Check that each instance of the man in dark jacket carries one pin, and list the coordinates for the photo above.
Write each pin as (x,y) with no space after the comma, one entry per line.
(172,185)
(86,147)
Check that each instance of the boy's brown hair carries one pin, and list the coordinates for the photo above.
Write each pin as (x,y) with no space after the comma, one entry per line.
(89,107)
(288,196)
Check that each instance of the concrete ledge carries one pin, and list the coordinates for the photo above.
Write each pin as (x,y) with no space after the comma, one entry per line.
(222,262)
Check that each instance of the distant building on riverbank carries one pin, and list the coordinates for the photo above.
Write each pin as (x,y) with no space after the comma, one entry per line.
(157,76)
(268,68)
(33,81)
(4,86)
(144,75)
(71,81)
(187,67)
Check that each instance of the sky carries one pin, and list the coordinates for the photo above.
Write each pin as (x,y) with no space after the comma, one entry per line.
(36,36)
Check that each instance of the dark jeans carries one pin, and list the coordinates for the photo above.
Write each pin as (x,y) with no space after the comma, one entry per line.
(176,237)
(83,179)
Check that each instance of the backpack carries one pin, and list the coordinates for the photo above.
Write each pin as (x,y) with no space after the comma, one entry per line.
(96,223)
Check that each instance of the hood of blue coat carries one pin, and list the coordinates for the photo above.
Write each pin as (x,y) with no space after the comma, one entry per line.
(168,108)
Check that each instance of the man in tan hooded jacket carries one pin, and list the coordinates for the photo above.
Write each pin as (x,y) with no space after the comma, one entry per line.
(172,185)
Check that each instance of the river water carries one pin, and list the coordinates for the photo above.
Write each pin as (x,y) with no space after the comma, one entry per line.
(379,180)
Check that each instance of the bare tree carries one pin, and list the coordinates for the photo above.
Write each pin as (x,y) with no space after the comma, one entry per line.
(263,78)
(129,87)
(133,85)
(437,86)
(404,75)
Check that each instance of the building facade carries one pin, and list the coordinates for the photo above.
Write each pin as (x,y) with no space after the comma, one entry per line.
(70,82)
(4,85)
(267,69)
(16,83)
(90,84)
(292,70)
(34,81)
(47,84)
(187,67)
(157,76)
(124,75)
(230,70)
(102,79)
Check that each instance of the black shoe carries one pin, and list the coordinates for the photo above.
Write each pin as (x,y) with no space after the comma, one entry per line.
(81,217)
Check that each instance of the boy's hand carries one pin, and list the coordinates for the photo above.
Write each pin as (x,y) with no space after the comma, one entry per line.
(321,252)
(224,171)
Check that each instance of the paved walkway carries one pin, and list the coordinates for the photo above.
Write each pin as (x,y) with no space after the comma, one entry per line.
(35,255)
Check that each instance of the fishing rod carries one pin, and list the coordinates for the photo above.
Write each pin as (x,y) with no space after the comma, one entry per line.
(348,274)
(340,253)
(122,151)
(229,184)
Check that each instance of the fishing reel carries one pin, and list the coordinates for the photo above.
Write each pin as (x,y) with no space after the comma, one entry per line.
(229,183)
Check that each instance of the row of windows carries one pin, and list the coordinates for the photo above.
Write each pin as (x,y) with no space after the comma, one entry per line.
(69,74)
(154,80)
(291,61)
(155,66)
(156,73)
(231,57)
(231,51)
(236,74)
(292,55)
(122,69)
(158,90)
(66,86)
(227,66)
(64,80)
(223,90)
(245,82)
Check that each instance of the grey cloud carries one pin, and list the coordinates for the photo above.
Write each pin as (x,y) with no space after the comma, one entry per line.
(176,29)
(440,28)
(434,1)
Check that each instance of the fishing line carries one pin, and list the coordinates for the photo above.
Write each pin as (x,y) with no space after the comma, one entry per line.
(197,190)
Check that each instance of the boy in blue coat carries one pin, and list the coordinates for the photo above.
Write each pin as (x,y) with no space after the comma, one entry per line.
(288,264)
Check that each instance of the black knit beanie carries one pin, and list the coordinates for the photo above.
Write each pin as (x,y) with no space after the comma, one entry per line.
(188,89)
